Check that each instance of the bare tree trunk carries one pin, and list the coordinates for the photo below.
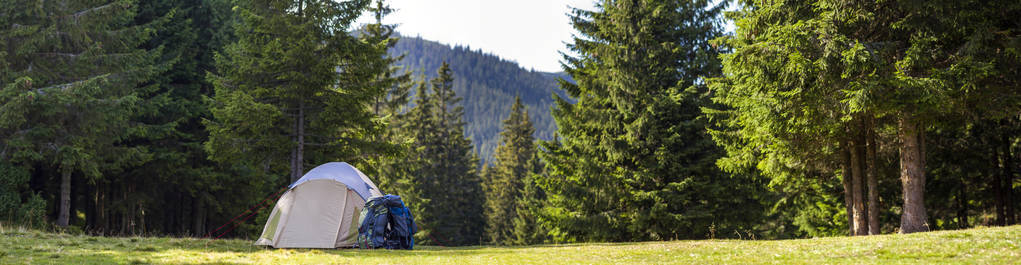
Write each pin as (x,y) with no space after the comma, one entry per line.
(873,183)
(997,190)
(132,213)
(845,155)
(1008,180)
(912,176)
(103,192)
(962,204)
(64,214)
(198,218)
(90,207)
(300,163)
(294,156)
(186,207)
(141,217)
(298,152)
(860,220)
(124,213)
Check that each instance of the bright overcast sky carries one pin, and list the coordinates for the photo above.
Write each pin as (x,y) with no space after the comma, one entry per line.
(530,32)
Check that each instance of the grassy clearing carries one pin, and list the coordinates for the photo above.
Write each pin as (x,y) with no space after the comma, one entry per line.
(997,245)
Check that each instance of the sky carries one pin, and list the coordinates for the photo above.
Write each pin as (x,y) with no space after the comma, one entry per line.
(529,32)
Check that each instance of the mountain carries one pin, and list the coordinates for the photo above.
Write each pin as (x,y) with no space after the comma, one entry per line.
(488,85)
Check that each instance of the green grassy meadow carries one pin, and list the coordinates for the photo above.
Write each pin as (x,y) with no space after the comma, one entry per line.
(995,245)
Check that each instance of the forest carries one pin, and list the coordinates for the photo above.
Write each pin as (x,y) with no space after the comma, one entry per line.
(812,118)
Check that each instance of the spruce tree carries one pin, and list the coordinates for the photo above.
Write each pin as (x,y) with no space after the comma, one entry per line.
(448,186)
(391,87)
(167,128)
(810,85)
(69,69)
(419,128)
(528,224)
(504,182)
(634,161)
(808,144)
(280,104)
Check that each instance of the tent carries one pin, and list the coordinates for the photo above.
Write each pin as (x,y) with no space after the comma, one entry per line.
(320,210)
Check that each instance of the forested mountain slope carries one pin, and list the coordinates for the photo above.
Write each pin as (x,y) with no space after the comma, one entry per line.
(488,85)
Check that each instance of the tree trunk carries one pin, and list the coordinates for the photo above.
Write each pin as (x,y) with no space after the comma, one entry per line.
(104,220)
(1008,180)
(178,214)
(294,156)
(873,183)
(64,215)
(132,214)
(91,196)
(124,213)
(127,216)
(912,176)
(197,217)
(168,210)
(845,155)
(141,217)
(962,204)
(860,221)
(997,185)
(300,163)
(185,223)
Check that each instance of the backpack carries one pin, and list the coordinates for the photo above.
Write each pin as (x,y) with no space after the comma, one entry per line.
(386,223)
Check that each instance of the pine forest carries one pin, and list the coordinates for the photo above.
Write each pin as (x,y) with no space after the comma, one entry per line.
(667,120)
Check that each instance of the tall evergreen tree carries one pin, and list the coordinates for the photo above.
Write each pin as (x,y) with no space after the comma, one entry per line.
(634,161)
(792,153)
(392,86)
(504,182)
(420,129)
(280,102)
(811,83)
(450,191)
(69,69)
(182,190)
(528,224)
(391,168)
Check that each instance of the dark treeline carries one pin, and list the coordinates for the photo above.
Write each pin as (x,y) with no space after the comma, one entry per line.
(814,118)
(102,109)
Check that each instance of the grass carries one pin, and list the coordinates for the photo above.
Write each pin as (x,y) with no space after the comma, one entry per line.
(996,245)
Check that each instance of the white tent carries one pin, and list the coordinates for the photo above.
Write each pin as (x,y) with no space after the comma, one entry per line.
(320,210)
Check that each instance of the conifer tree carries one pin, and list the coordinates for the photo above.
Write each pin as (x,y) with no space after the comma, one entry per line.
(800,152)
(811,83)
(419,128)
(528,224)
(504,181)
(392,86)
(634,161)
(449,188)
(280,103)
(66,86)
(167,127)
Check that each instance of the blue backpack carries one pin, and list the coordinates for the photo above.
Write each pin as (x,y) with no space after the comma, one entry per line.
(386,223)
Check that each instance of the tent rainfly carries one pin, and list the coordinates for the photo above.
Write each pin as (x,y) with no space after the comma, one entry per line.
(320,210)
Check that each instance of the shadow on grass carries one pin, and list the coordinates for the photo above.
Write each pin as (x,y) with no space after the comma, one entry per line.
(33,247)
(37,247)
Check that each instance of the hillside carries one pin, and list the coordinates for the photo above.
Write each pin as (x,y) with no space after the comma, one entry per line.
(998,245)
(488,85)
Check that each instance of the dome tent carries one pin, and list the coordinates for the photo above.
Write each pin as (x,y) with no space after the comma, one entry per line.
(320,210)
